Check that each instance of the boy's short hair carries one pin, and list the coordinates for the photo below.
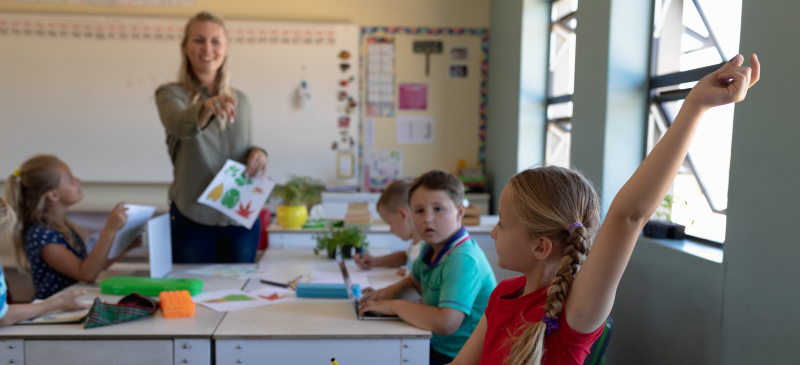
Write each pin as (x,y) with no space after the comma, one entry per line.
(395,196)
(440,180)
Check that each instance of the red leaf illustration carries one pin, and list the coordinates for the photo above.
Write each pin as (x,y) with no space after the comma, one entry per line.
(244,211)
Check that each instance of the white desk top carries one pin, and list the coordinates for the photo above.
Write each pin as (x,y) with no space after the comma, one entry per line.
(487,224)
(202,325)
(311,318)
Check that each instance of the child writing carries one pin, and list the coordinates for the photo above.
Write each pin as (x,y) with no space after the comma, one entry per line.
(13,313)
(452,273)
(45,240)
(548,216)
(394,209)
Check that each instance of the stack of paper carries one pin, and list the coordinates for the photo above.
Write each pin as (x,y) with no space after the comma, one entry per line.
(358,215)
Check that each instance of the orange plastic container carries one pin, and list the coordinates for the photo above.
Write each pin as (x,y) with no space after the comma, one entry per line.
(176,303)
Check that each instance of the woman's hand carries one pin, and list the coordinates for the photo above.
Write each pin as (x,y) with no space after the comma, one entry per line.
(117,219)
(729,84)
(223,106)
(256,163)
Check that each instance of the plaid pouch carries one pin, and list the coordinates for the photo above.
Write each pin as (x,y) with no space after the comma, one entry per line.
(128,308)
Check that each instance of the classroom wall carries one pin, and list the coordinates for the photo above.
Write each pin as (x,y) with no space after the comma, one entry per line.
(439,13)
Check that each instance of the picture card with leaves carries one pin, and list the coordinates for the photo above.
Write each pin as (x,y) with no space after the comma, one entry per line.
(237,195)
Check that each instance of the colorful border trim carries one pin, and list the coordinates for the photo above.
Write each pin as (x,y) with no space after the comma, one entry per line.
(479,32)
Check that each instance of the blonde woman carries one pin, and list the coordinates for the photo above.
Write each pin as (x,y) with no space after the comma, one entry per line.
(207,122)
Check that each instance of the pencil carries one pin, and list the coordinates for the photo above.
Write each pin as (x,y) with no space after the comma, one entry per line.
(333,361)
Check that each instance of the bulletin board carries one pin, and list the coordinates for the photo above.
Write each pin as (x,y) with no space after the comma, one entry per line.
(452,95)
(83,87)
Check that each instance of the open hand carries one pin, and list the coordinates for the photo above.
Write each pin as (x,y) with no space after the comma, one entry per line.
(729,84)
(222,106)
(256,163)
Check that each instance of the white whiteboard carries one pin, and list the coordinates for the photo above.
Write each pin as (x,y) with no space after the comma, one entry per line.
(82,87)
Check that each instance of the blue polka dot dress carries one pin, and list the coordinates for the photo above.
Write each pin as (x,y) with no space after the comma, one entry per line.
(47,280)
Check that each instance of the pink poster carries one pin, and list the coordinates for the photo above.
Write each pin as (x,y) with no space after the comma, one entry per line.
(413,96)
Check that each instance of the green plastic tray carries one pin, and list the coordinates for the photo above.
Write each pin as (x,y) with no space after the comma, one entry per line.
(124,285)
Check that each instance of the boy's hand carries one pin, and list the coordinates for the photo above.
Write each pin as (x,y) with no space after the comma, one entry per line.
(364,261)
(727,85)
(117,218)
(377,306)
(69,301)
(370,294)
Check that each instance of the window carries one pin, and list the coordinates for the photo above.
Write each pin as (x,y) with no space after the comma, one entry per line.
(691,38)
(560,81)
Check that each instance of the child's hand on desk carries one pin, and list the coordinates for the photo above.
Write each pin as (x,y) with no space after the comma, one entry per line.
(370,294)
(377,306)
(364,261)
(68,301)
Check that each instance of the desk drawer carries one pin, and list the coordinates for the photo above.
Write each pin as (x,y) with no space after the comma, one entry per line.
(303,352)
(121,352)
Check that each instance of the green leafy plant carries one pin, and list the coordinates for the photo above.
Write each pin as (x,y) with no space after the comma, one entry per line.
(300,190)
(336,238)
(664,211)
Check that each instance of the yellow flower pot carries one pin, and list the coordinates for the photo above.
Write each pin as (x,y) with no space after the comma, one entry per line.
(292,217)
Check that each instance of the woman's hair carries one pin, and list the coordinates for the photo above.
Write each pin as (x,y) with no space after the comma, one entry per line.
(547,200)
(186,75)
(26,194)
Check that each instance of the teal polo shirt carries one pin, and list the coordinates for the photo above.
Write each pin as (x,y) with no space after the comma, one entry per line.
(459,277)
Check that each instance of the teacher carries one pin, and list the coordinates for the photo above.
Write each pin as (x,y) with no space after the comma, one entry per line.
(207,122)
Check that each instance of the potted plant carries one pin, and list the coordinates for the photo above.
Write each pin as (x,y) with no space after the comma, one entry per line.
(344,239)
(298,194)
(662,226)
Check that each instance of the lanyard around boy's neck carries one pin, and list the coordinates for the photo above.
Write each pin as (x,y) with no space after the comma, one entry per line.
(455,240)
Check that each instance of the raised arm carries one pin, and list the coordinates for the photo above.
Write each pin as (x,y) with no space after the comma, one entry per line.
(592,294)
(182,120)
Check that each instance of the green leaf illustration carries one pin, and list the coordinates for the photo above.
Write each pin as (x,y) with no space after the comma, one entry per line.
(230,198)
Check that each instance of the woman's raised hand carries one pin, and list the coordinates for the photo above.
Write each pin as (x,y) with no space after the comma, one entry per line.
(222,106)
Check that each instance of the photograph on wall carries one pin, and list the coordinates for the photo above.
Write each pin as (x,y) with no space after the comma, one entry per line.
(459,53)
(458,71)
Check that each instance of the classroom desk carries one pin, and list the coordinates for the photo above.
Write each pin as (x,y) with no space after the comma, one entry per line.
(312,331)
(379,237)
(150,340)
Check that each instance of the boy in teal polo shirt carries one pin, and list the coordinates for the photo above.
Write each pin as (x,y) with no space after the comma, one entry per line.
(452,273)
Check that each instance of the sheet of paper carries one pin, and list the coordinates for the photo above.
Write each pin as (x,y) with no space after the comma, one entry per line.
(384,163)
(380,76)
(413,96)
(137,219)
(228,271)
(415,129)
(57,317)
(329,277)
(369,132)
(229,300)
(237,196)
(159,245)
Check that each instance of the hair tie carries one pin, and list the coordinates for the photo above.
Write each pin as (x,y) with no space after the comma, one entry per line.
(16,173)
(573,226)
(551,323)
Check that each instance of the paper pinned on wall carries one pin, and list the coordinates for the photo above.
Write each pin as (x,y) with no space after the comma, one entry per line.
(413,96)
(415,129)
(344,164)
(369,132)
(236,195)
(380,76)
(384,163)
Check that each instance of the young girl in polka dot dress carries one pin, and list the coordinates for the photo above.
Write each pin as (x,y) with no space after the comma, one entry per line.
(46,242)
(13,313)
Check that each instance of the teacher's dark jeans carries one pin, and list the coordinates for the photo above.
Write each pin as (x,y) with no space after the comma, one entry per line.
(438,358)
(195,243)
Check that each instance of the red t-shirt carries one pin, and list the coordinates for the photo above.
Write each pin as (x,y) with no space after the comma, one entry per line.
(505,312)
